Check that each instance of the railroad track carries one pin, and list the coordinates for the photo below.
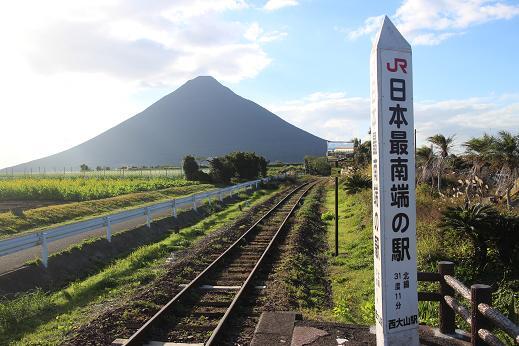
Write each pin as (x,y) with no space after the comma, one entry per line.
(199,313)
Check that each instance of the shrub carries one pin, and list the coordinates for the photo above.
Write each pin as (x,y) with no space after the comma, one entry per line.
(221,170)
(247,165)
(356,182)
(317,165)
(327,216)
(190,167)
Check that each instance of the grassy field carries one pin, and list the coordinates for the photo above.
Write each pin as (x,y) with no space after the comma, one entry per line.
(170,172)
(40,318)
(38,218)
(351,272)
(81,189)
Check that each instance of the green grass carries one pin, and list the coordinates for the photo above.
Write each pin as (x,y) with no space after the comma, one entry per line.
(38,218)
(81,189)
(40,318)
(352,271)
(303,270)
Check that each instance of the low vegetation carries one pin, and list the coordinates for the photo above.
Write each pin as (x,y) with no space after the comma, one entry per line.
(278,168)
(80,189)
(356,181)
(47,318)
(303,270)
(351,272)
(317,165)
(480,239)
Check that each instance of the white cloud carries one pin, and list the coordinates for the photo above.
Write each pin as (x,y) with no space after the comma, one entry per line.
(71,69)
(371,25)
(467,118)
(256,34)
(429,22)
(273,5)
(135,41)
(333,116)
(336,116)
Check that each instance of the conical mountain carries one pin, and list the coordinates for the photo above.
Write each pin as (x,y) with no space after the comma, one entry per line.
(201,118)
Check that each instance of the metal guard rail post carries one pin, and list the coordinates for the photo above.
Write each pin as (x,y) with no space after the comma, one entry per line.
(44,237)
(481,316)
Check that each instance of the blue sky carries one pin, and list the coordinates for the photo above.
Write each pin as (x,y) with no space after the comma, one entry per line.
(71,70)
(316,55)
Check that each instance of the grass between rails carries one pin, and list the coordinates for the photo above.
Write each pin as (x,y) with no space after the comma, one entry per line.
(81,189)
(38,218)
(45,318)
(303,270)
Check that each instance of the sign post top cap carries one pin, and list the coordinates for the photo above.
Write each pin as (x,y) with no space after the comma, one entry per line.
(390,38)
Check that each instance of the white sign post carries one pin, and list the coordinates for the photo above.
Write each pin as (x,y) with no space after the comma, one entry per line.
(394,199)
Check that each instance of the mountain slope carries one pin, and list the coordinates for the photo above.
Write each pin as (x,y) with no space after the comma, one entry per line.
(201,118)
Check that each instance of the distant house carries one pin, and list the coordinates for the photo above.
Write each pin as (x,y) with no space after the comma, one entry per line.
(339,150)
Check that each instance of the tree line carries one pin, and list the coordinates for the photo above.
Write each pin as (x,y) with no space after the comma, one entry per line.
(236,165)
(489,165)
(479,178)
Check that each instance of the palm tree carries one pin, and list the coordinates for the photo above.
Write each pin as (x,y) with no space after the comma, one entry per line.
(444,145)
(476,222)
(425,158)
(506,153)
(479,151)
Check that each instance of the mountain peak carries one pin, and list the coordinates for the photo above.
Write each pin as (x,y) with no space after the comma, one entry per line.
(205,81)
(202,85)
(201,118)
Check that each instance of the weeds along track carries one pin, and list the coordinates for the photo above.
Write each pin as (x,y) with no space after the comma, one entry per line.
(201,311)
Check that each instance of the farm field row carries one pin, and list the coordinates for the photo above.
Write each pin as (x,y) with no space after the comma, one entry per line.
(38,218)
(32,317)
(81,189)
(173,172)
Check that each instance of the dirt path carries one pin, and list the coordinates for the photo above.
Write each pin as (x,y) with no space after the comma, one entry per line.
(6,206)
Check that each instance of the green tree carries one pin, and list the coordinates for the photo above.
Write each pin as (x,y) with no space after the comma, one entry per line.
(190,168)
(506,237)
(362,152)
(425,160)
(263,163)
(221,170)
(506,153)
(317,165)
(443,145)
(479,152)
(84,168)
(474,221)
(246,165)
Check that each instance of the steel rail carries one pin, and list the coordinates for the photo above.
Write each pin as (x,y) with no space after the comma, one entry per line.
(217,333)
(138,337)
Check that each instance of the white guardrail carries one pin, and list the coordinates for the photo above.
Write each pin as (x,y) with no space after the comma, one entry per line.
(44,237)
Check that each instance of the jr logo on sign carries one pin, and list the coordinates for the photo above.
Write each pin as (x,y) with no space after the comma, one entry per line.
(402,63)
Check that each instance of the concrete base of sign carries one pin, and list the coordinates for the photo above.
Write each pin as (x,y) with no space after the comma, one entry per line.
(274,328)
(408,337)
(282,328)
